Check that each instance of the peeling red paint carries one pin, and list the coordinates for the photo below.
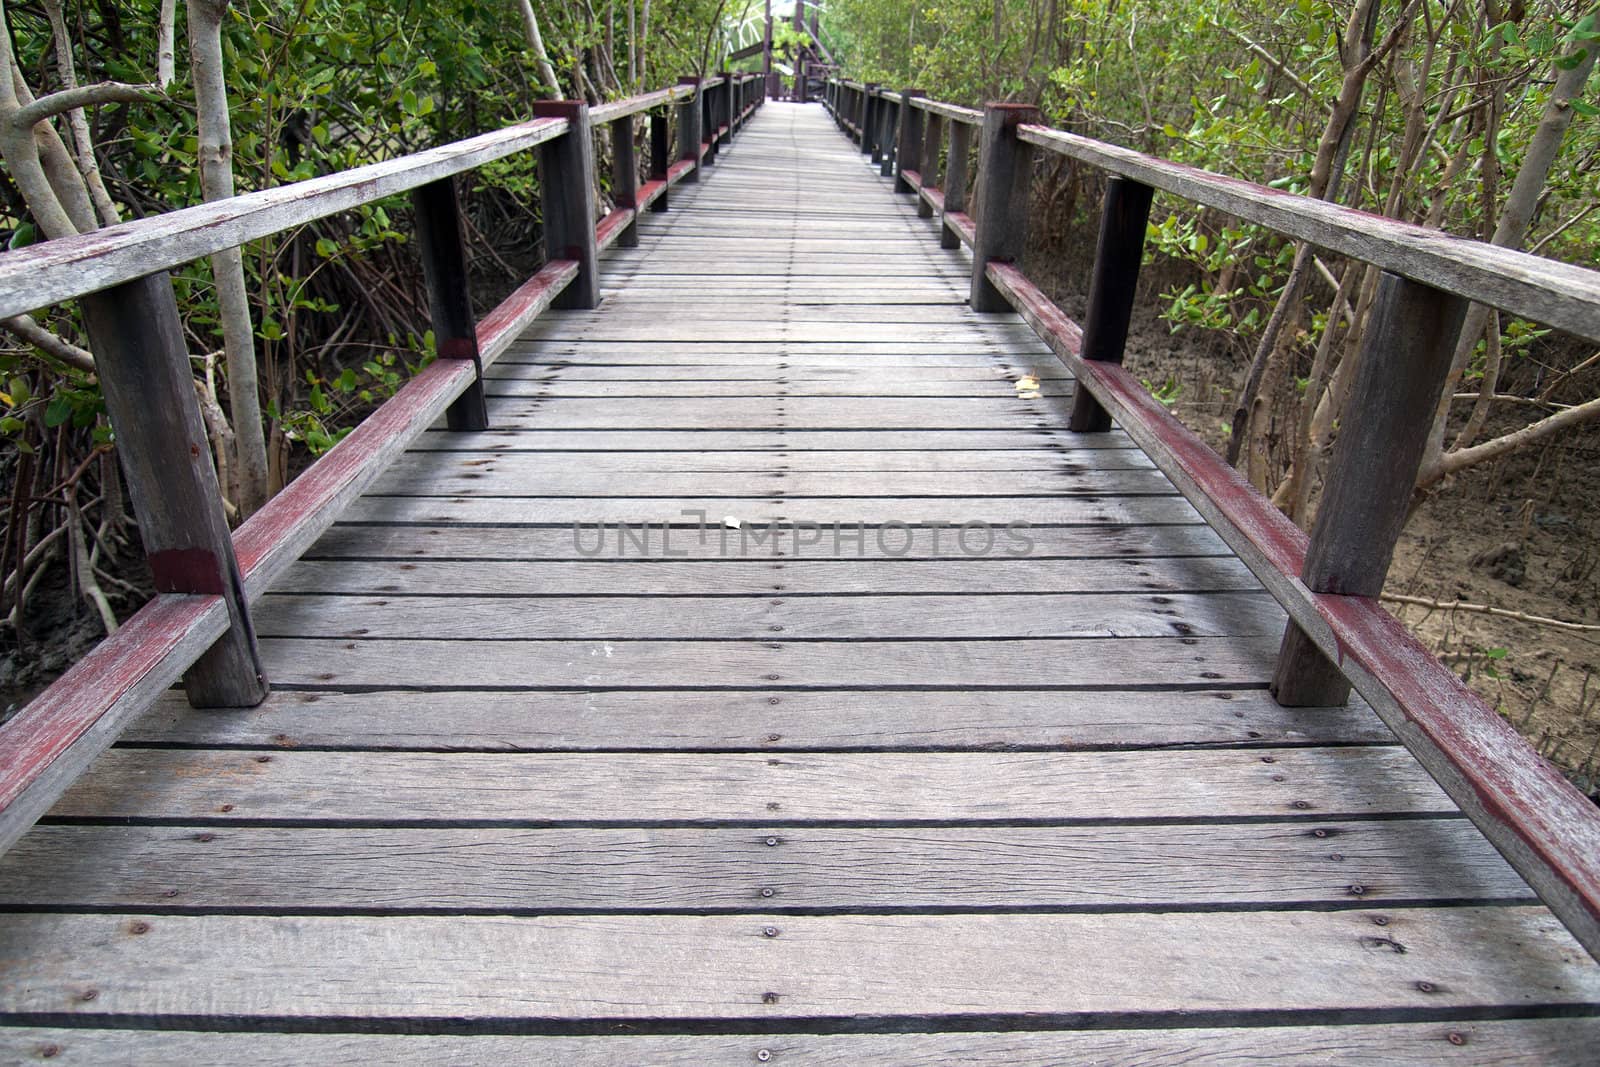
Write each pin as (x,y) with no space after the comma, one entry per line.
(608,229)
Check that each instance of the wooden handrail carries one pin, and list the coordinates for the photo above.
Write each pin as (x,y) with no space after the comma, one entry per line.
(1545,290)
(970,116)
(618,109)
(70,267)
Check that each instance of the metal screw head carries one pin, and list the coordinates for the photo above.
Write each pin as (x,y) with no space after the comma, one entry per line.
(764,1055)
(769,998)
(772,842)
(767,891)
(770,931)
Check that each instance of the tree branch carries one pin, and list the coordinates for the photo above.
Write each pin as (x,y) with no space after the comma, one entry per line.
(82,96)
(25,329)
(1485,609)
(1461,458)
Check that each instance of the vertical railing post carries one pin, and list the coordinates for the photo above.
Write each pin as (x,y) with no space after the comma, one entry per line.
(730,104)
(1404,360)
(566,183)
(955,182)
(869,128)
(891,121)
(928,168)
(142,363)
(1005,170)
(708,123)
(625,177)
(442,244)
(1117,257)
(909,152)
(660,156)
(689,128)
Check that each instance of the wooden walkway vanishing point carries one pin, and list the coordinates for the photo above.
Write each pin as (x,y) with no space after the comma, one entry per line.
(524,793)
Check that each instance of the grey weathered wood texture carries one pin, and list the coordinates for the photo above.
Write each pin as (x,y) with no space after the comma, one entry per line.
(567,183)
(166,457)
(1005,181)
(522,793)
(1118,254)
(442,248)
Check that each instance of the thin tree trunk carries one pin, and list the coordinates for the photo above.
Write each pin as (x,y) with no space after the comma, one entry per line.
(216,183)
(530,24)
(1516,217)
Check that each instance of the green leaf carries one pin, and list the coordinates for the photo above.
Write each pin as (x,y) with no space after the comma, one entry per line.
(326,248)
(9,424)
(58,411)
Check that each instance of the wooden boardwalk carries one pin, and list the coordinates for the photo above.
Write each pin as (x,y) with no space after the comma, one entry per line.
(973,758)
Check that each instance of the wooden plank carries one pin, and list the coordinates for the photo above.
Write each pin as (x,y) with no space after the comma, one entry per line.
(795,443)
(893,387)
(1121,867)
(446,543)
(862,376)
(831,512)
(432,474)
(1517,1043)
(748,575)
(524,789)
(58,270)
(1043,461)
(591,967)
(772,719)
(1099,663)
(703,618)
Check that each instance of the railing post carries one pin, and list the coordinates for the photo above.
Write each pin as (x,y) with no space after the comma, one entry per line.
(1005,170)
(869,131)
(143,366)
(1404,360)
(1117,257)
(909,152)
(932,141)
(566,181)
(955,183)
(660,156)
(625,178)
(689,128)
(708,123)
(891,121)
(444,270)
(730,103)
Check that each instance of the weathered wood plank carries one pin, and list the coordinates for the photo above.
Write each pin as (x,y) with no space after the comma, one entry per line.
(819,413)
(737,573)
(891,387)
(383,788)
(827,511)
(430,474)
(764,720)
(447,543)
(789,441)
(1080,662)
(302,869)
(591,967)
(796,618)
(882,462)
(1519,1043)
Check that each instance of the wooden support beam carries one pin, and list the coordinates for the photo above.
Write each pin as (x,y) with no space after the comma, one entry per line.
(566,178)
(955,183)
(689,129)
(871,122)
(1405,357)
(932,142)
(1005,167)
(443,249)
(1111,289)
(625,178)
(908,153)
(890,123)
(660,156)
(143,366)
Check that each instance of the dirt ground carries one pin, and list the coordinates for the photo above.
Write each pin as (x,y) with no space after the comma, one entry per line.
(1518,534)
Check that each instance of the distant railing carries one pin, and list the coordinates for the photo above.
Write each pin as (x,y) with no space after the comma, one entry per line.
(198,625)
(1339,634)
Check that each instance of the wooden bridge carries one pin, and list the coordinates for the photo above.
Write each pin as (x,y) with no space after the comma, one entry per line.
(778,676)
